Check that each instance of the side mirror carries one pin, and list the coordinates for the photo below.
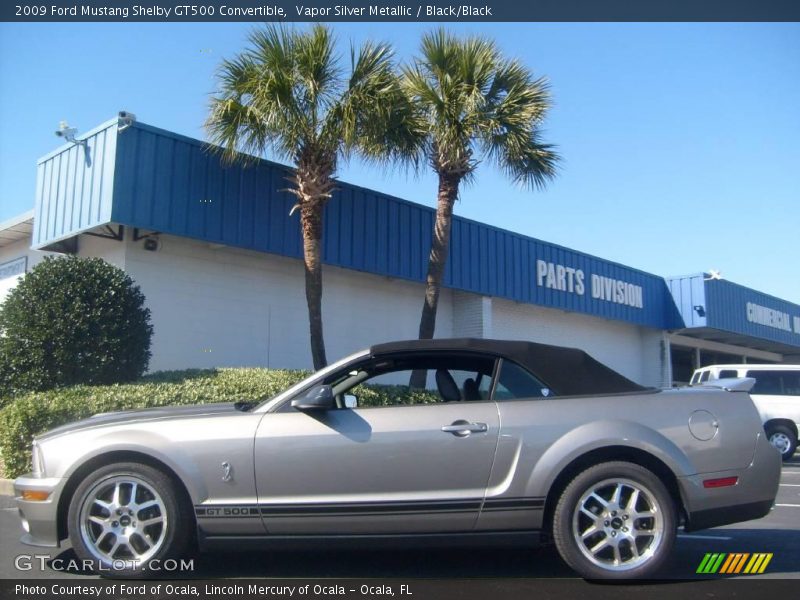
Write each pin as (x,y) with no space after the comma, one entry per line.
(317,398)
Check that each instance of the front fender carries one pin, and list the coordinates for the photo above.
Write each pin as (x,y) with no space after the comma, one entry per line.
(75,454)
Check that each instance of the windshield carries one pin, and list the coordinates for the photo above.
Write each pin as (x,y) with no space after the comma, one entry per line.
(307,382)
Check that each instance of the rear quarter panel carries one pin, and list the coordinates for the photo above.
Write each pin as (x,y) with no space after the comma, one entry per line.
(540,437)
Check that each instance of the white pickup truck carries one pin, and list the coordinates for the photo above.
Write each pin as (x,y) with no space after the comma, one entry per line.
(776,394)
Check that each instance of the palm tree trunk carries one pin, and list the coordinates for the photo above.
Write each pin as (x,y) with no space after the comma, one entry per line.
(311,220)
(446,198)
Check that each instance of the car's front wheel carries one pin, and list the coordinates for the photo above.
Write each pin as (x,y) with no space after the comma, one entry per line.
(783,439)
(126,518)
(615,520)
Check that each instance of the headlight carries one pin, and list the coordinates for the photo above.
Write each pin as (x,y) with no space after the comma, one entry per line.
(37,461)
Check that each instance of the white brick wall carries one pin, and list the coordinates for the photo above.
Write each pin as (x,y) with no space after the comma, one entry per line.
(227,307)
(628,349)
(216,306)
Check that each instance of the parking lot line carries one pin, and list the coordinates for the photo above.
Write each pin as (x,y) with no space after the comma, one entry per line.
(792,505)
(703,537)
(790,484)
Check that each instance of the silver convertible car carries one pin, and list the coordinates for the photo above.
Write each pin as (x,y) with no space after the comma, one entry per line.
(496,441)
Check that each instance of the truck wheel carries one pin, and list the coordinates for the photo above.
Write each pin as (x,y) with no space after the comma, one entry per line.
(615,520)
(124,516)
(784,439)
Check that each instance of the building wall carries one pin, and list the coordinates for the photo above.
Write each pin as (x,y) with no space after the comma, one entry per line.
(13,251)
(218,306)
(632,350)
(111,251)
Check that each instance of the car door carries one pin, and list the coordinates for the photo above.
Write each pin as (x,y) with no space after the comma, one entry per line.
(403,461)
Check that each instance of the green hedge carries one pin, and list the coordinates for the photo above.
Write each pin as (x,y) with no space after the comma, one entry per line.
(37,412)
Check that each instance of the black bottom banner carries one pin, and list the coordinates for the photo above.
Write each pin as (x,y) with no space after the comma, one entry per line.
(374,589)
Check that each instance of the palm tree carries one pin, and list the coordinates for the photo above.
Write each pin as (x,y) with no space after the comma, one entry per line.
(471,101)
(287,92)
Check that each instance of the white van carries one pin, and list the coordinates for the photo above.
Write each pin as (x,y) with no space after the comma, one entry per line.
(776,394)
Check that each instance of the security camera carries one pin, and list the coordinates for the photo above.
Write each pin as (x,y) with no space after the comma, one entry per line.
(68,133)
(125,119)
(65,131)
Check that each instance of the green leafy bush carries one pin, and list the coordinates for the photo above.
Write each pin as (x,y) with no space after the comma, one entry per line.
(72,321)
(37,412)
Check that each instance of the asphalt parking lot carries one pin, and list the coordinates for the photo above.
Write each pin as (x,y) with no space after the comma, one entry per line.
(778,533)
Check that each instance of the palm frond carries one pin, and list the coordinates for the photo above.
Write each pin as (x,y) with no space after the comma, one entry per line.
(474,101)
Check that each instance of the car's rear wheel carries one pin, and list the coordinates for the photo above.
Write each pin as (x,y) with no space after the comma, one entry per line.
(783,439)
(124,516)
(615,520)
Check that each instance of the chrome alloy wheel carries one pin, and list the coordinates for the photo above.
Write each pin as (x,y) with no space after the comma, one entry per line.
(780,441)
(618,524)
(123,518)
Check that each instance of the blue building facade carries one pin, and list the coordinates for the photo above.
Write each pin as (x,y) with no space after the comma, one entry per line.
(151,179)
(153,182)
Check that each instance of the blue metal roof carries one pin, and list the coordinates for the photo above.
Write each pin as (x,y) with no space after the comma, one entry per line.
(157,180)
(727,306)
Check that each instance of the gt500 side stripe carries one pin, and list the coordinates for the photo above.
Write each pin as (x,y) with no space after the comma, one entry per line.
(368,508)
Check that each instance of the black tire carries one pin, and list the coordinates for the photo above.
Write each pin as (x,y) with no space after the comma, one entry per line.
(788,438)
(157,516)
(655,535)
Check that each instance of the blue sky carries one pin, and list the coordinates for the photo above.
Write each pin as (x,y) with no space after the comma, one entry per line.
(681,142)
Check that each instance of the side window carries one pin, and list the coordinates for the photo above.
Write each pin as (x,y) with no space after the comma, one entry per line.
(408,381)
(704,376)
(767,382)
(514,382)
(791,383)
(728,374)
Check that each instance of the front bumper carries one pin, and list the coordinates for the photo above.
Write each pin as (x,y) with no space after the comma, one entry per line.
(751,498)
(39,518)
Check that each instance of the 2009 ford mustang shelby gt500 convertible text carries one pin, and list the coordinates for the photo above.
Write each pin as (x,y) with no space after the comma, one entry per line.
(504,440)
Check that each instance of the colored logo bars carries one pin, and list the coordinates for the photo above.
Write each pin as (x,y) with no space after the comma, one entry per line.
(733,563)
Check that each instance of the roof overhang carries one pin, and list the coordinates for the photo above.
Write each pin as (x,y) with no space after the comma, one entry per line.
(735,339)
(16,228)
(721,311)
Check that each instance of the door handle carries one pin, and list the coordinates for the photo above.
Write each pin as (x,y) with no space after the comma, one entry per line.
(463,428)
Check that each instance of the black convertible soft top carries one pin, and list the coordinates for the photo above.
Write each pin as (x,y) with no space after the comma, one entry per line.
(566,371)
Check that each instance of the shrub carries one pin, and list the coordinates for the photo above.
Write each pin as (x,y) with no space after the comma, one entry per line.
(73,321)
(37,412)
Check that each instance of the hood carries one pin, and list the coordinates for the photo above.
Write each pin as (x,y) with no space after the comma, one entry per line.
(139,415)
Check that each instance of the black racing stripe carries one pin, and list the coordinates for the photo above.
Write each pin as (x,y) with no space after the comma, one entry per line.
(404,513)
(369,508)
(362,508)
(511,503)
(517,509)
